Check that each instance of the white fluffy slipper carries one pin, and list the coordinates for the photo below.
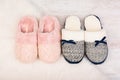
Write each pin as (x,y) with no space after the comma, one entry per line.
(73,40)
(95,40)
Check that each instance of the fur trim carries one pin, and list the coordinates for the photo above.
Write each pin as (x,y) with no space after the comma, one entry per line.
(72,35)
(92,36)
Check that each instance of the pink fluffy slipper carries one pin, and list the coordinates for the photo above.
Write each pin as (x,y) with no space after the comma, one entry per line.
(49,39)
(26,39)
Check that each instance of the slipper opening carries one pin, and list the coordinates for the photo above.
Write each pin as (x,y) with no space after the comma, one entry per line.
(92,23)
(73,23)
(48,25)
(26,25)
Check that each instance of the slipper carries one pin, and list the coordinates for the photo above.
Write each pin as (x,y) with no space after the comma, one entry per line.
(26,39)
(73,40)
(95,40)
(49,39)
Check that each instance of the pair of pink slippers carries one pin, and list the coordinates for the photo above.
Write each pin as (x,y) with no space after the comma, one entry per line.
(38,39)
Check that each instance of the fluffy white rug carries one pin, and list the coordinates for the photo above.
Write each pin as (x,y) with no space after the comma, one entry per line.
(12,10)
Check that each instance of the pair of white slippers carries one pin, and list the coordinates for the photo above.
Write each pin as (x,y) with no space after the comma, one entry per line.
(91,41)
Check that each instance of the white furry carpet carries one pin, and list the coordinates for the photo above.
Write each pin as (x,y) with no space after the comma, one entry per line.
(12,10)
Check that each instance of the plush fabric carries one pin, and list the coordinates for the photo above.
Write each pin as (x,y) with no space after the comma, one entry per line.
(26,39)
(91,36)
(71,34)
(49,37)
